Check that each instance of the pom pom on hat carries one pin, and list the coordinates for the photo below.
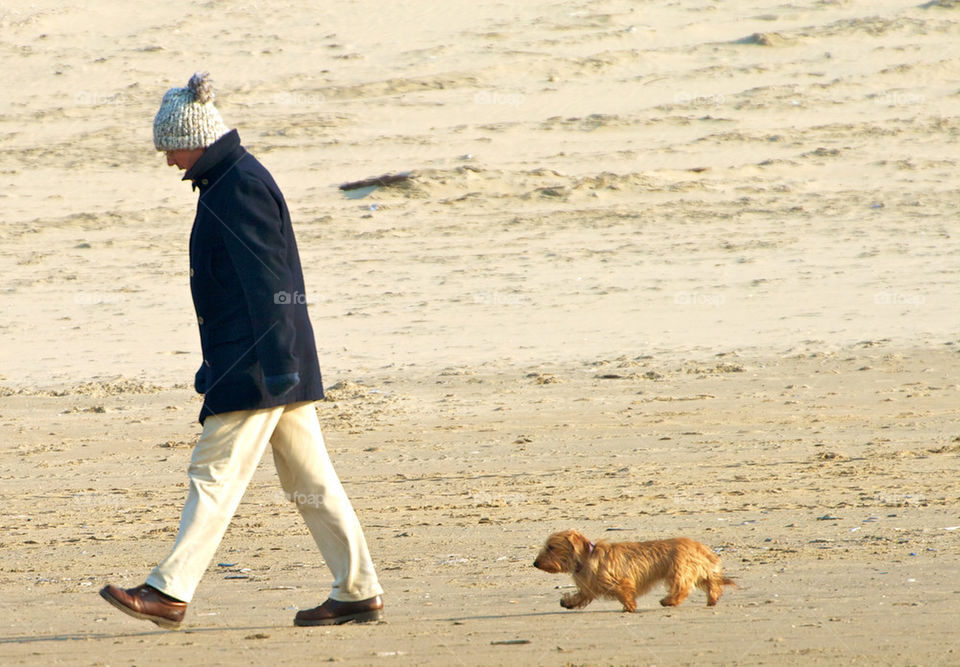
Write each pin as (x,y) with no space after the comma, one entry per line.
(201,86)
(187,118)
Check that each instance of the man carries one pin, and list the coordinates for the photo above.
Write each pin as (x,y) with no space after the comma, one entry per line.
(260,376)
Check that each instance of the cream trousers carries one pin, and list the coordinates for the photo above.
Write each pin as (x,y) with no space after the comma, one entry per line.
(222,465)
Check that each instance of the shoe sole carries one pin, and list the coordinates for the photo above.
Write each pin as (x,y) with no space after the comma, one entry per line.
(362,617)
(159,620)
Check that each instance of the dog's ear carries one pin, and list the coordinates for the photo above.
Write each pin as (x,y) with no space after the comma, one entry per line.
(582,547)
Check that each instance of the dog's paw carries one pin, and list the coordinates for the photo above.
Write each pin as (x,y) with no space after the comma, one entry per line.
(574,601)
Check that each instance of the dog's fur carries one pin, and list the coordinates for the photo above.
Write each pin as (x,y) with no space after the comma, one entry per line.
(626,570)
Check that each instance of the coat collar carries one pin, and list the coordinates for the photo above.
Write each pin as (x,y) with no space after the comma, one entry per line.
(221,156)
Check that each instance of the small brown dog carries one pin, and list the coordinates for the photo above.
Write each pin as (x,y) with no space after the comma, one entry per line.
(626,570)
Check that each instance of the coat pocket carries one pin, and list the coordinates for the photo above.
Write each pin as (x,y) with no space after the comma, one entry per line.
(234,369)
(226,357)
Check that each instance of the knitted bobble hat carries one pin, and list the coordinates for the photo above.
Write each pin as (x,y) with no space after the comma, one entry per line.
(187,118)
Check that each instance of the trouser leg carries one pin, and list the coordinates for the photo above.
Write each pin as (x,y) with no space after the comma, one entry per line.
(309,479)
(223,461)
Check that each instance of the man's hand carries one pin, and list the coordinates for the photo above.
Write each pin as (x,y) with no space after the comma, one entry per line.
(278,385)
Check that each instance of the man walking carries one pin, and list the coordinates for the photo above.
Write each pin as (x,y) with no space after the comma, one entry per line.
(260,376)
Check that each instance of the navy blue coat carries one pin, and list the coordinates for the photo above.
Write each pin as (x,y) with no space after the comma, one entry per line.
(247,285)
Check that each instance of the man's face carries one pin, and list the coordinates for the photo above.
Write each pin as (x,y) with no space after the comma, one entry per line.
(184,159)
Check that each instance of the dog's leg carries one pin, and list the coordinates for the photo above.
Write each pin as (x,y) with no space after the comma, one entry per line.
(676,593)
(575,600)
(674,598)
(714,588)
(680,580)
(626,593)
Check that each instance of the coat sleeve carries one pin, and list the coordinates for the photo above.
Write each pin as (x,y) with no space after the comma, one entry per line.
(255,240)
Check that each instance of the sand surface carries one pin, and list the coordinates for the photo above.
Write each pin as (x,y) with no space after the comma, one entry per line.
(663,269)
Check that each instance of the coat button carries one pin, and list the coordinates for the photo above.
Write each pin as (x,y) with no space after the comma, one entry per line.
(191,272)
(199,320)
(204,182)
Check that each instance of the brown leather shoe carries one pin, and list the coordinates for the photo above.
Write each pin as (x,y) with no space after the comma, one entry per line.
(146,603)
(335,612)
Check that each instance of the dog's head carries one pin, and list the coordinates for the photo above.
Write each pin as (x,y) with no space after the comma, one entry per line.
(564,552)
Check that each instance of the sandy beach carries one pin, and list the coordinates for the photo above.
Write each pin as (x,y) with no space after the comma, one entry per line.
(661,269)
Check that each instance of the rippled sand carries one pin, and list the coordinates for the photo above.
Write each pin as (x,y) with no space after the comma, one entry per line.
(660,270)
